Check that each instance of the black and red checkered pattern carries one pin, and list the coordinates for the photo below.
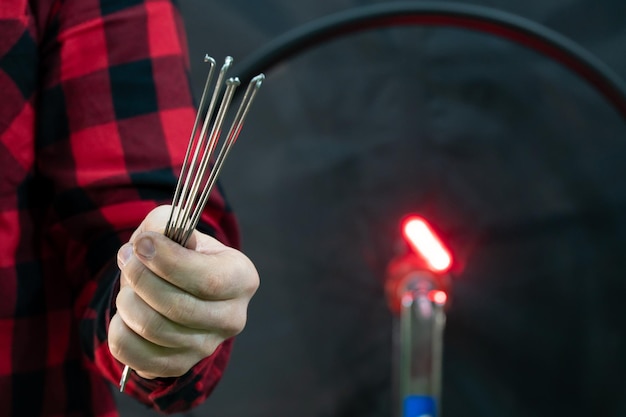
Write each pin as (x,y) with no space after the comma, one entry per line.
(95,114)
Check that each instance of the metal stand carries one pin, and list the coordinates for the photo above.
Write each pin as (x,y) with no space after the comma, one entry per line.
(418,334)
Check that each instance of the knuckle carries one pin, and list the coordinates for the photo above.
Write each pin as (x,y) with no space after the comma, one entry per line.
(234,322)
(182,308)
(239,323)
(122,299)
(137,276)
(152,327)
(252,283)
(207,344)
(170,265)
(246,273)
(210,286)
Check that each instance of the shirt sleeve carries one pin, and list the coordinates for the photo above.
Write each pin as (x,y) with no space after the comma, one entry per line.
(115,114)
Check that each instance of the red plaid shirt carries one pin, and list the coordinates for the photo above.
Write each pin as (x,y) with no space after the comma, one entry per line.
(95,114)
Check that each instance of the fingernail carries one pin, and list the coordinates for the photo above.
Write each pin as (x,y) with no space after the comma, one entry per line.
(145,247)
(125,253)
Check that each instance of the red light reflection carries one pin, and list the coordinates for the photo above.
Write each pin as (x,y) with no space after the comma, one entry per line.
(438,296)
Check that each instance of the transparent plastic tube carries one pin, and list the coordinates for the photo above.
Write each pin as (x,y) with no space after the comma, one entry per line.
(419,347)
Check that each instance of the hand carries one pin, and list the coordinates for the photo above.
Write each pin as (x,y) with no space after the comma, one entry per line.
(177,304)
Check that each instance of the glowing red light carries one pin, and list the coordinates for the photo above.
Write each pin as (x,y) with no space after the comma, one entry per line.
(425,243)
(438,296)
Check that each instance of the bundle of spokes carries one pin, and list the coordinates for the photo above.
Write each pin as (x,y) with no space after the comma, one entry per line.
(201,166)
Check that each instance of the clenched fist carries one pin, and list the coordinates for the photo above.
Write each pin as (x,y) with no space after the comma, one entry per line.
(177,304)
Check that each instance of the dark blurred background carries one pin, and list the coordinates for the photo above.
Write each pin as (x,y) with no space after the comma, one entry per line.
(516,160)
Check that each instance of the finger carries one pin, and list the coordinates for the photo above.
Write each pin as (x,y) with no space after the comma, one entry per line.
(153,326)
(148,359)
(124,254)
(223,317)
(157,221)
(221,275)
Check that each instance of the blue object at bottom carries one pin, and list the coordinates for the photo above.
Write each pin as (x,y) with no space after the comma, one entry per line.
(419,406)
